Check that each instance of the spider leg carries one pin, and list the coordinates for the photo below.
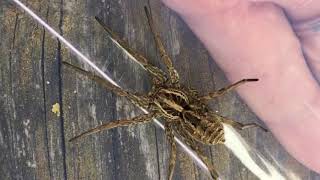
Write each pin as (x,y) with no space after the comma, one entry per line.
(224,90)
(135,99)
(125,122)
(173,152)
(241,126)
(193,145)
(156,72)
(174,76)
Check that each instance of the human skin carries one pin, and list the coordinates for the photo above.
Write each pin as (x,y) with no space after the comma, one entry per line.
(305,18)
(297,10)
(255,40)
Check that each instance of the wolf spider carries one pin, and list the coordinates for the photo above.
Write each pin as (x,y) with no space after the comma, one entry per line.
(184,111)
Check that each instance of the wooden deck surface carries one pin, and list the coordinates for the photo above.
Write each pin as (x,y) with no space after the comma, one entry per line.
(34,140)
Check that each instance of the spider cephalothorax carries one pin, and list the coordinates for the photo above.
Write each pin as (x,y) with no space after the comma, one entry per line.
(185,112)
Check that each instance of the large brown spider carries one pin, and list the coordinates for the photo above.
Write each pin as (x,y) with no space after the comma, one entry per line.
(185,113)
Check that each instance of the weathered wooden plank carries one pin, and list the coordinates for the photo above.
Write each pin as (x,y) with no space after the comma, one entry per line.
(85,103)
(52,57)
(131,152)
(37,141)
(24,127)
(17,98)
(34,140)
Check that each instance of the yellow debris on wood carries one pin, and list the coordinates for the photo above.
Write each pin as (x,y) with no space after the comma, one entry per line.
(56,109)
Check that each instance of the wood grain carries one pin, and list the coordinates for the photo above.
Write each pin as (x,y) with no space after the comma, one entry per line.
(34,140)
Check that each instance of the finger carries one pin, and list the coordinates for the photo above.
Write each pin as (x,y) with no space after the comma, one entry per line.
(309,35)
(305,19)
(297,10)
(200,7)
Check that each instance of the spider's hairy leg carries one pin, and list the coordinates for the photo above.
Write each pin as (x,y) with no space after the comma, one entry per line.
(173,152)
(125,122)
(193,145)
(135,99)
(153,70)
(241,126)
(174,76)
(224,90)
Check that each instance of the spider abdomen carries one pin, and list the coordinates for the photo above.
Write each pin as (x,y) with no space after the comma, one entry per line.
(203,130)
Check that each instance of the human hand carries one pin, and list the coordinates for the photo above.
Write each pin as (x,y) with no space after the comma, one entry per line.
(255,39)
(305,18)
